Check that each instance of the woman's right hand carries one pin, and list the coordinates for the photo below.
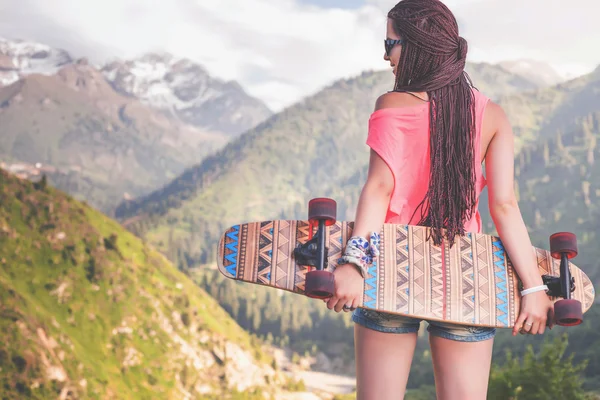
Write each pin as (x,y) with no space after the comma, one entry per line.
(349,286)
(537,311)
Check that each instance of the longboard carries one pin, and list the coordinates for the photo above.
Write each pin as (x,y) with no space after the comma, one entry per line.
(471,283)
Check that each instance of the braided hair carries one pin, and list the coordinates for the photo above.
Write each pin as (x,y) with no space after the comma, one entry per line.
(432,60)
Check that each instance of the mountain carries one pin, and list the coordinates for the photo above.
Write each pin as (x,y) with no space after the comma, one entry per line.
(178,86)
(559,187)
(19,57)
(540,73)
(185,89)
(538,115)
(118,133)
(101,144)
(89,311)
(496,81)
(273,170)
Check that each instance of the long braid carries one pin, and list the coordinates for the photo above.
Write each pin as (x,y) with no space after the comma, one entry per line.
(433,60)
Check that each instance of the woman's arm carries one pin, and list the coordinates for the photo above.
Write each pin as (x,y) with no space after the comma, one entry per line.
(376,194)
(536,308)
(372,207)
(370,216)
(374,198)
(503,205)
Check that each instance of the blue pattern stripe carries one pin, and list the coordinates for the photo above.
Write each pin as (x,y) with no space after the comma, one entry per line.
(501,296)
(233,247)
(372,284)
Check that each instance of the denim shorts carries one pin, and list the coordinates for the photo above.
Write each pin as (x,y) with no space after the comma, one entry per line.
(390,323)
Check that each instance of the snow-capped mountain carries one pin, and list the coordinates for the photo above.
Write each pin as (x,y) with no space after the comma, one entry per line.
(19,58)
(124,128)
(185,89)
(178,86)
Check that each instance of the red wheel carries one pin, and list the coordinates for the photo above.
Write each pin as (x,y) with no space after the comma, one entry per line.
(322,208)
(568,312)
(319,284)
(563,242)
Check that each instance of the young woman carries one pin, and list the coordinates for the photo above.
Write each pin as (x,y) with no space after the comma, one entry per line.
(428,140)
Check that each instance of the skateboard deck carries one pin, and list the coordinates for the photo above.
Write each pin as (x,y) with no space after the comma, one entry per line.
(471,283)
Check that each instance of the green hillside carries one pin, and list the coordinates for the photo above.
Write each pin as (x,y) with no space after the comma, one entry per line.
(538,115)
(88,311)
(558,184)
(272,171)
(495,81)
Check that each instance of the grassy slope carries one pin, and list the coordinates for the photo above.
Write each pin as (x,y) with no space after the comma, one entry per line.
(76,291)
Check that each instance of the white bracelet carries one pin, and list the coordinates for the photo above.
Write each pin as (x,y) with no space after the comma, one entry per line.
(534,289)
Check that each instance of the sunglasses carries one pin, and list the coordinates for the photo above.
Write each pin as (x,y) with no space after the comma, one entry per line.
(390,43)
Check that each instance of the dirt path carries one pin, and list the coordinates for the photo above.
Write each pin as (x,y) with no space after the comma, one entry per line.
(319,385)
(324,382)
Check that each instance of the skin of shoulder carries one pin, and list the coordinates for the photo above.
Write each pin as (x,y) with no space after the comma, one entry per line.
(396,100)
(495,114)
(499,158)
(495,125)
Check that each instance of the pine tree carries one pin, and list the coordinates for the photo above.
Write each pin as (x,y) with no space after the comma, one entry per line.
(547,375)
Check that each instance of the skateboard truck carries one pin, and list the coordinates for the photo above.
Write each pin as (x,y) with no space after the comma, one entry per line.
(319,283)
(567,311)
(309,254)
(555,285)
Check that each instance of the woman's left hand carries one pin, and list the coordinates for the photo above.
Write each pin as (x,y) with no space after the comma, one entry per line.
(349,289)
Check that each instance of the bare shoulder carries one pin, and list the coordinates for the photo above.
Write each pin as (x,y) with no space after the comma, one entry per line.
(495,110)
(496,119)
(497,134)
(396,100)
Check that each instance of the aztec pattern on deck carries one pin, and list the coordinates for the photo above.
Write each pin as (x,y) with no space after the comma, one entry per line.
(471,283)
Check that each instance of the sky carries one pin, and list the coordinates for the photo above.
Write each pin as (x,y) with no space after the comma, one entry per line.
(283,50)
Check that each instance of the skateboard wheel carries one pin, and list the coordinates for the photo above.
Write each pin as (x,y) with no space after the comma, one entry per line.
(568,312)
(322,208)
(319,284)
(563,242)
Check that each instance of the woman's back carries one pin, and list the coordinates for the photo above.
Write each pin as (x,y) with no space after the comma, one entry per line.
(399,132)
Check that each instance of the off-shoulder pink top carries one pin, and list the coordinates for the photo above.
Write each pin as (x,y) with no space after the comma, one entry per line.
(400,136)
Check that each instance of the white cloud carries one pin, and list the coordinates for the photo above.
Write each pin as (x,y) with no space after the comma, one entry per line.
(281,50)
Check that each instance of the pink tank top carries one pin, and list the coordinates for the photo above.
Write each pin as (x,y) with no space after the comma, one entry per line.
(401,138)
